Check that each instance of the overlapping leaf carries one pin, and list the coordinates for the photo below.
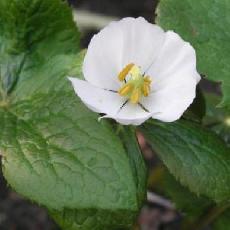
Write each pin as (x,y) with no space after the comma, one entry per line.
(196,156)
(55,151)
(206,24)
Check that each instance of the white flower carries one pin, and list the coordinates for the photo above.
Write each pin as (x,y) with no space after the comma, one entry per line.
(134,70)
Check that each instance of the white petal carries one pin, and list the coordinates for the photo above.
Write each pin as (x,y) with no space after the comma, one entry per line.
(132,114)
(142,42)
(174,77)
(127,41)
(169,103)
(98,100)
(176,54)
(102,62)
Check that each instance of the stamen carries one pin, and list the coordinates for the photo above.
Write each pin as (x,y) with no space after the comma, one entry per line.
(136,86)
(126,89)
(135,97)
(147,79)
(146,89)
(122,75)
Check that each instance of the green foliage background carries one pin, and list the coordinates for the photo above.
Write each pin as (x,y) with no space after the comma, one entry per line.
(90,174)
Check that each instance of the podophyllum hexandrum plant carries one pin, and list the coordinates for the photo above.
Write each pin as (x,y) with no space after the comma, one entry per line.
(87,171)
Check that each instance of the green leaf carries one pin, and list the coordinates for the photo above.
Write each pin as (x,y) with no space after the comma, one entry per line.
(206,25)
(65,157)
(38,42)
(129,139)
(59,155)
(198,158)
(110,219)
(55,151)
(94,219)
(217,118)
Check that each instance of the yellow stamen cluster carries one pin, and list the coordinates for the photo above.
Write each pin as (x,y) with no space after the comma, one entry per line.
(136,85)
(122,75)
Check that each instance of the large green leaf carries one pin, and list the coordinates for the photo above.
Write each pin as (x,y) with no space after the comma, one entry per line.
(37,39)
(55,151)
(109,219)
(198,158)
(94,219)
(206,24)
(63,156)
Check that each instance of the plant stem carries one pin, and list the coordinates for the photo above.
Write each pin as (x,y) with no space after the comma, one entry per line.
(211,215)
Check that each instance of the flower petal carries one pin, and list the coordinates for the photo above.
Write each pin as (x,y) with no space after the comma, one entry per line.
(176,54)
(169,103)
(102,62)
(132,114)
(127,41)
(96,99)
(165,57)
(142,42)
(174,77)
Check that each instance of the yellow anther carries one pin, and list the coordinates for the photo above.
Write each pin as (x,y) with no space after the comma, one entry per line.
(146,89)
(136,85)
(147,79)
(122,75)
(146,86)
(135,96)
(126,89)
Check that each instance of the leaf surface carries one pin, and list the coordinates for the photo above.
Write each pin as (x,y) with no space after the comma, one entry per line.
(55,151)
(198,158)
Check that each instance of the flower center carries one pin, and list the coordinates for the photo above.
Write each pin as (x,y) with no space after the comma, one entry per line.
(135,85)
